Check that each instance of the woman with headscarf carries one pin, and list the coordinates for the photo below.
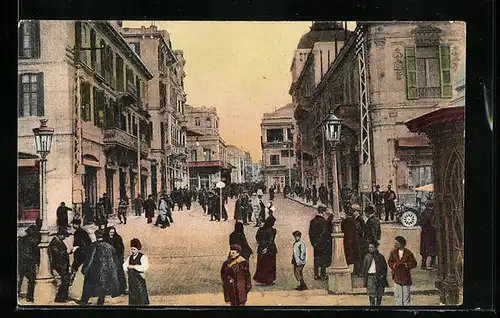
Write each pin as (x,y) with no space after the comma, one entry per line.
(113,238)
(238,238)
(136,265)
(267,250)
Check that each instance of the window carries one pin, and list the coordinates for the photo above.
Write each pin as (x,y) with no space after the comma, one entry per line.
(197,121)
(101,63)
(274,135)
(162,135)
(134,125)
(93,51)
(31,95)
(284,153)
(207,153)
(428,72)
(99,107)
(123,121)
(419,176)
(163,95)
(119,74)
(289,134)
(274,160)
(29,39)
(138,86)
(136,47)
(193,155)
(208,122)
(85,100)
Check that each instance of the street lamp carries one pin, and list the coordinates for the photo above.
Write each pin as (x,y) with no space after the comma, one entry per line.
(339,276)
(45,287)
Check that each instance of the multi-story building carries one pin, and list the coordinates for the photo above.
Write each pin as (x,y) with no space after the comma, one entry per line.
(257,172)
(248,167)
(207,162)
(166,105)
(278,147)
(237,159)
(385,74)
(85,79)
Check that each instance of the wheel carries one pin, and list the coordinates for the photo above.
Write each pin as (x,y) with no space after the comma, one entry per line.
(409,219)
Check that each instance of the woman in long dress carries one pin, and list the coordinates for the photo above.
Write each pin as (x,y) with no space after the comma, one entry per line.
(266,253)
(136,265)
(113,238)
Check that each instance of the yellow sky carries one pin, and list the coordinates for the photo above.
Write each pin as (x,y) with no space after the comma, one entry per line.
(241,68)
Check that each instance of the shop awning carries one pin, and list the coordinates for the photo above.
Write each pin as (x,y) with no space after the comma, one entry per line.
(426,188)
(415,141)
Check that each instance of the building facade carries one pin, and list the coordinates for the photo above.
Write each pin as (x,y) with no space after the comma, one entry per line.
(278,147)
(166,105)
(85,79)
(208,161)
(237,159)
(248,163)
(385,74)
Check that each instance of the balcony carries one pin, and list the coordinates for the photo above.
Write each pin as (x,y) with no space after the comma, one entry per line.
(275,144)
(275,167)
(132,89)
(206,164)
(118,138)
(429,92)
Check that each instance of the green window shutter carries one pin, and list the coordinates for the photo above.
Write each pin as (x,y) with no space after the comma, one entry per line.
(445,70)
(411,72)
(20,100)
(39,102)
(35,29)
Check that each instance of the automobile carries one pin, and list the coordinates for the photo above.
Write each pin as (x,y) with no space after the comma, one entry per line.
(411,207)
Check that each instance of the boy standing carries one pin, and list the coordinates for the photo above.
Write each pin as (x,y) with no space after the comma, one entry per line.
(299,259)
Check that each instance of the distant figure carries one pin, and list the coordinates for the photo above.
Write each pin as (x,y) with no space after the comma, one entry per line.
(122,211)
(299,259)
(322,194)
(322,246)
(307,193)
(29,256)
(115,240)
(378,200)
(237,237)
(428,244)
(88,214)
(256,209)
(163,209)
(390,204)
(375,274)
(360,232)
(236,279)
(136,266)
(59,257)
(373,231)
(101,216)
(108,209)
(62,215)
(150,207)
(266,253)
(314,194)
(81,241)
(138,205)
(401,261)
(271,193)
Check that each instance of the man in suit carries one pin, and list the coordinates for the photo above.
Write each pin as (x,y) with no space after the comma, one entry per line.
(390,203)
(59,257)
(27,260)
(372,227)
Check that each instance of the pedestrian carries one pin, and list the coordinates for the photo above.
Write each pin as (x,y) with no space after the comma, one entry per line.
(271,193)
(375,274)
(188,198)
(351,245)
(373,231)
(237,237)
(401,261)
(138,205)
(378,200)
(308,194)
(262,210)
(149,208)
(136,266)
(81,241)
(270,210)
(428,235)
(122,211)
(100,271)
(318,228)
(390,203)
(28,258)
(163,208)
(59,260)
(108,208)
(88,215)
(299,259)
(322,194)
(62,215)
(256,209)
(114,239)
(224,211)
(101,217)
(235,276)
(314,195)
(360,231)
(245,208)
(237,209)
(266,254)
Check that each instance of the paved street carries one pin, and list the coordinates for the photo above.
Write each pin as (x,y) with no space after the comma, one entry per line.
(185,259)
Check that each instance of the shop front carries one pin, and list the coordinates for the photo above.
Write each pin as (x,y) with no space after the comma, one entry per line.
(28,188)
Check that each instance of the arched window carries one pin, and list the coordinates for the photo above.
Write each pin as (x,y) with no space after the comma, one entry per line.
(209,122)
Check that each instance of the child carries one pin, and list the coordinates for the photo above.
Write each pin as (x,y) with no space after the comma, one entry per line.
(299,259)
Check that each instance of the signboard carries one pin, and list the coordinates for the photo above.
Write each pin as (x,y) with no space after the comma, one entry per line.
(220,185)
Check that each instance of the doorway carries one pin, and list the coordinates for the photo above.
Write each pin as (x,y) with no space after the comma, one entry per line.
(90,185)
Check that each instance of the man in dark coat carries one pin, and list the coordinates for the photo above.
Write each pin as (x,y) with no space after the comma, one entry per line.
(81,241)
(188,196)
(108,209)
(29,256)
(308,194)
(372,226)
(428,235)
(101,215)
(374,274)
(271,193)
(323,194)
(390,204)
(62,215)
(351,246)
(59,260)
(101,271)
(317,235)
(314,194)
(236,279)
(138,205)
(378,201)
(150,207)
(360,231)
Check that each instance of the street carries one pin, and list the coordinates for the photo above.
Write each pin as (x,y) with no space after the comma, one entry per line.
(185,258)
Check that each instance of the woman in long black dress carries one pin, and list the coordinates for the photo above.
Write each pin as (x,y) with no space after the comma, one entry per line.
(136,265)
(238,238)
(267,250)
(113,238)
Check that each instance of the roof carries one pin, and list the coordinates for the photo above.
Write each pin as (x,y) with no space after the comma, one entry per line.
(439,116)
(285,111)
(322,31)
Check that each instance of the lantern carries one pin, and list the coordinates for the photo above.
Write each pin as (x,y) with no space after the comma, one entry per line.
(332,127)
(43,138)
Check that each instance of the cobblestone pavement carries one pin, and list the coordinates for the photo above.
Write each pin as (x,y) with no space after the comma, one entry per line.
(186,257)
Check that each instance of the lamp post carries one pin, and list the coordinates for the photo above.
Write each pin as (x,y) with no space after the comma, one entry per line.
(339,276)
(45,291)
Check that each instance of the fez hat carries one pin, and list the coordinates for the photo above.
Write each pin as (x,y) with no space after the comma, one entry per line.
(321,208)
(401,240)
(297,233)
(235,247)
(136,243)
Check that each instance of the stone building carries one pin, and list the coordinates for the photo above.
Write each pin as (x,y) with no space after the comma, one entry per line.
(207,162)
(278,147)
(86,80)
(237,159)
(385,74)
(248,162)
(166,105)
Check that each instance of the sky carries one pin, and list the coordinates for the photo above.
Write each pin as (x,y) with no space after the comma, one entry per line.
(241,68)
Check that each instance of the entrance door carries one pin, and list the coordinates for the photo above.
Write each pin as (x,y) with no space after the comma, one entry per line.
(122,183)
(90,184)
(144,182)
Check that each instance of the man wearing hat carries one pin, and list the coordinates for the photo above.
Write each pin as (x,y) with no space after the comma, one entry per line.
(136,266)
(81,241)
(62,215)
(100,270)
(360,231)
(373,232)
(236,279)
(401,261)
(390,203)
(351,244)
(59,260)
(378,200)
(318,237)
(27,260)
